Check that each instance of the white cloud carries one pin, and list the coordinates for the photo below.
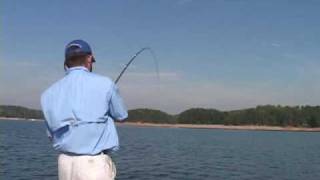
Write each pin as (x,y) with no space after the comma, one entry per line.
(174,92)
(275,44)
(150,77)
(183,2)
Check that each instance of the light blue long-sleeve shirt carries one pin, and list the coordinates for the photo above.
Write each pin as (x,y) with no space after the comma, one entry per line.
(79,110)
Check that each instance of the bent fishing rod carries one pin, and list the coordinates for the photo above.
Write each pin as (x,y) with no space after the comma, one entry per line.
(133,58)
(128,64)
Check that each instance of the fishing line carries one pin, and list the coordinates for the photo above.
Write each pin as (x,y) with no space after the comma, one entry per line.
(131,60)
(134,57)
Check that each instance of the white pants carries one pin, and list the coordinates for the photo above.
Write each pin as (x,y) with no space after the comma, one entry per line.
(98,167)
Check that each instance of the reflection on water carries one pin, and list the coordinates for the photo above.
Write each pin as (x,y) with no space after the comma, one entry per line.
(171,153)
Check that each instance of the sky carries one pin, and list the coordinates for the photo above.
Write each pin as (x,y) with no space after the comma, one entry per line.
(222,54)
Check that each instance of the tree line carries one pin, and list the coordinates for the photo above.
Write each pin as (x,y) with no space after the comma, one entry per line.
(20,112)
(268,115)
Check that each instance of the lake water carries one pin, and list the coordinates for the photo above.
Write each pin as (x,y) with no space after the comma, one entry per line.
(172,153)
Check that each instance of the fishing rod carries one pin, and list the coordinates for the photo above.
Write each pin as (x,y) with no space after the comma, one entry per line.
(133,58)
(128,64)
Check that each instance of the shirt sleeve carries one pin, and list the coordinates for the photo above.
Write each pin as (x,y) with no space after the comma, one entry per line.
(117,109)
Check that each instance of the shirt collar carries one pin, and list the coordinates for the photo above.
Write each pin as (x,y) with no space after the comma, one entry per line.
(76,68)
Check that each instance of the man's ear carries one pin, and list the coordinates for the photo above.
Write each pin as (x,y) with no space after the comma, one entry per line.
(89,63)
(88,59)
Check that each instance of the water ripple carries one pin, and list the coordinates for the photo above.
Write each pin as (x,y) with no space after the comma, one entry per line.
(170,153)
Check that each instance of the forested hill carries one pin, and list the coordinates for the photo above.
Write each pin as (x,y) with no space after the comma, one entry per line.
(20,112)
(298,116)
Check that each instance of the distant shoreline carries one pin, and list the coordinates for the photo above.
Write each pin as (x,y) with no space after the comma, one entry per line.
(19,119)
(200,126)
(225,127)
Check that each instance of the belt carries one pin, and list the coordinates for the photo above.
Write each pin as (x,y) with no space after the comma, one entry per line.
(106,152)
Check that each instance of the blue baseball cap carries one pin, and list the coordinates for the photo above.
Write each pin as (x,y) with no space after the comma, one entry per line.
(77,48)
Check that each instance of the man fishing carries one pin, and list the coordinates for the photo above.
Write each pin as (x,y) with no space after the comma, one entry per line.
(80,110)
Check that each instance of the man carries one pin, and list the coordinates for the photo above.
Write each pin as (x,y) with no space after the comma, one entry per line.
(80,110)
